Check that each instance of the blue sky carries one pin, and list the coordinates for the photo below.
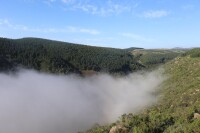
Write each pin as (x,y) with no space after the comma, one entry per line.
(107,23)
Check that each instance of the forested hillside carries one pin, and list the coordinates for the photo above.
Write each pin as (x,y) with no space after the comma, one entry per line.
(60,57)
(154,57)
(178,109)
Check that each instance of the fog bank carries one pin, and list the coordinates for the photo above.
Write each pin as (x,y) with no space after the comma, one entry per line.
(32,102)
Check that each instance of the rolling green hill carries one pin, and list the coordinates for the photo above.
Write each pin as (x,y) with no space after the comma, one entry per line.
(154,57)
(179,106)
(61,57)
(178,95)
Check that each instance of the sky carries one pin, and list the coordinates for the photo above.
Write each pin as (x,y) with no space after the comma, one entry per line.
(106,23)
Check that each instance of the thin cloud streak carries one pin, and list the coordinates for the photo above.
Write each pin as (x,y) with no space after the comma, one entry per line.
(112,9)
(136,37)
(67,1)
(83,30)
(155,14)
(69,29)
(107,9)
(188,7)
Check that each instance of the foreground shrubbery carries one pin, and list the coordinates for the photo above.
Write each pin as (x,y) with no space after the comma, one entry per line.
(179,100)
(194,52)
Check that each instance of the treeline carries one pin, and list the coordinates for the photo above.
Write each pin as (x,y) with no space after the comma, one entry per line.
(193,53)
(151,59)
(61,57)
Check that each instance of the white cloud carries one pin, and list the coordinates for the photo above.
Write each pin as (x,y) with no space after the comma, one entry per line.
(49,2)
(6,23)
(86,8)
(67,1)
(155,14)
(188,7)
(136,37)
(101,9)
(70,29)
(52,0)
(83,30)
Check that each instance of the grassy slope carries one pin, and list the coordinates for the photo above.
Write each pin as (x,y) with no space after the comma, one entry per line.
(181,94)
(179,101)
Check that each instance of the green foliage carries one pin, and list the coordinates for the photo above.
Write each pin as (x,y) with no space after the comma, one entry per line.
(151,58)
(194,52)
(179,100)
(98,129)
(60,57)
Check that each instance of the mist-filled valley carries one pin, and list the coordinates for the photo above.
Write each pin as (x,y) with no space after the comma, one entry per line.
(99,66)
(35,102)
(50,86)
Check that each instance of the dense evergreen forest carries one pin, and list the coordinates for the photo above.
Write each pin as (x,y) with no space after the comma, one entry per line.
(153,57)
(60,57)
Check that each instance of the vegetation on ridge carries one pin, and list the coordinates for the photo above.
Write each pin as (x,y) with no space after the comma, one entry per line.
(60,57)
(180,93)
(179,100)
(154,57)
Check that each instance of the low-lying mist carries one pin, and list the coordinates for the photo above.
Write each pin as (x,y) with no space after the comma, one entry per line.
(33,102)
